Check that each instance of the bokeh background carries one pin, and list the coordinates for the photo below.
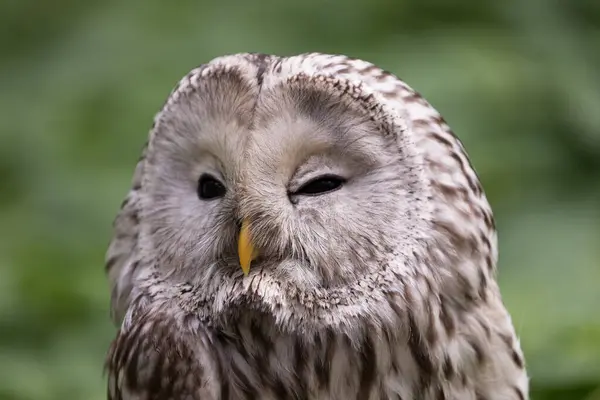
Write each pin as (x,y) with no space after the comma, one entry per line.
(80,81)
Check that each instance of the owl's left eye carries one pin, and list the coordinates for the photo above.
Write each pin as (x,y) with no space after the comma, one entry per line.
(321,185)
(210,188)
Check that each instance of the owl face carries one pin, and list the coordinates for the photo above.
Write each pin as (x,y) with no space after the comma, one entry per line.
(344,192)
(324,190)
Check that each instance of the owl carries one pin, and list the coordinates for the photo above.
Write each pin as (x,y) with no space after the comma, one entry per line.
(306,227)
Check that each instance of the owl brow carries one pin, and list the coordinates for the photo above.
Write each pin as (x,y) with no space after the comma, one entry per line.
(350,145)
(354,140)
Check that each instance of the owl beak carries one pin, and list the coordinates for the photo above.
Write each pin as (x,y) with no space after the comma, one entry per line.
(246,250)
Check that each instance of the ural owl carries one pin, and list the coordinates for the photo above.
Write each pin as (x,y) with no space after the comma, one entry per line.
(306,228)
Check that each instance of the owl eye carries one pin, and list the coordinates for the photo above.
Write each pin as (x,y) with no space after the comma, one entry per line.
(210,188)
(321,185)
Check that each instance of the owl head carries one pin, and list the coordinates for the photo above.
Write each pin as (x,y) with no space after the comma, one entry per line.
(310,188)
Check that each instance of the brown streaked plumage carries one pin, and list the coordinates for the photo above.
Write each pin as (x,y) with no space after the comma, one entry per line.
(372,245)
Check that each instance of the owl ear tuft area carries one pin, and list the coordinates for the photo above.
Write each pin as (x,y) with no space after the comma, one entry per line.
(323,97)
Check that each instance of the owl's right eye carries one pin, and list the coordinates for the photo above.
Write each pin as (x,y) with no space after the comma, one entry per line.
(210,188)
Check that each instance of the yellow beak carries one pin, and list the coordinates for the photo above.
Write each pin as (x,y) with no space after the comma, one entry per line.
(246,250)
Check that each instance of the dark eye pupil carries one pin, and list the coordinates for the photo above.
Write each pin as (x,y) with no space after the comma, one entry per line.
(321,185)
(210,188)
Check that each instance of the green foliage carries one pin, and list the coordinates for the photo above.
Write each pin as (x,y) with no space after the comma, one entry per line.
(80,81)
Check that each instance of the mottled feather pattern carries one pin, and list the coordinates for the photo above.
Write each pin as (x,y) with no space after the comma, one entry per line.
(122,260)
(408,310)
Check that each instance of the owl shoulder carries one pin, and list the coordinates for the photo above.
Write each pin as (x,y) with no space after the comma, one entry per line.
(154,356)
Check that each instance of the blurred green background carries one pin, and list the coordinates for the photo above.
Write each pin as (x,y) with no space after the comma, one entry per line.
(80,81)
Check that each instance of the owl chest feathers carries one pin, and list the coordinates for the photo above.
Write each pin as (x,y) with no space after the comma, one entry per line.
(157,357)
(381,364)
